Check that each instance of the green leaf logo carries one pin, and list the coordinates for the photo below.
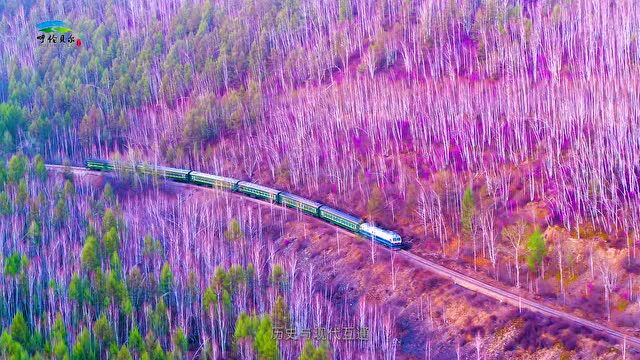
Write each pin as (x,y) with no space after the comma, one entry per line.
(51,26)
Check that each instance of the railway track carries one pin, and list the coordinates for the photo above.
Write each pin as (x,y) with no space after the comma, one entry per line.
(458,278)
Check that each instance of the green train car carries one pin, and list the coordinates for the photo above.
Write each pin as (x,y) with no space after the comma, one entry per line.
(340,218)
(200,178)
(98,165)
(180,175)
(300,203)
(258,191)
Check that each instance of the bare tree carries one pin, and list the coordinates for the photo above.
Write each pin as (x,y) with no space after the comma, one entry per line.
(394,270)
(478,343)
(560,245)
(515,234)
(487,227)
(609,278)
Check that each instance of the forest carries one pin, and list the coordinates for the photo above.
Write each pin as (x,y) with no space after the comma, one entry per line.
(122,295)
(500,137)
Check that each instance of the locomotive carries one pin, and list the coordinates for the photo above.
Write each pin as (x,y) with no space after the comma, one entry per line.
(349,222)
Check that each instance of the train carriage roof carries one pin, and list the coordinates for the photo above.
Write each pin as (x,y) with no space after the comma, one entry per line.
(259,187)
(301,199)
(341,214)
(169,169)
(122,165)
(214,177)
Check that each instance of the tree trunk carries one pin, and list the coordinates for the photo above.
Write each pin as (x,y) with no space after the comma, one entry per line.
(561,275)
(607,300)
(475,256)
(517,269)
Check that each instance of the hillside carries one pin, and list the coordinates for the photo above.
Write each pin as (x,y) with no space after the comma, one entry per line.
(499,138)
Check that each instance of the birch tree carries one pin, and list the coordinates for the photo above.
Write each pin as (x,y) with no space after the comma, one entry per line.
(515,235)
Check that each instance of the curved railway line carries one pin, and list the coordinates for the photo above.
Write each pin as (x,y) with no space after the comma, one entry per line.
(458,278)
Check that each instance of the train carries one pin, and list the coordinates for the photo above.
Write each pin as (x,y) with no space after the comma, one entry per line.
(336,217)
